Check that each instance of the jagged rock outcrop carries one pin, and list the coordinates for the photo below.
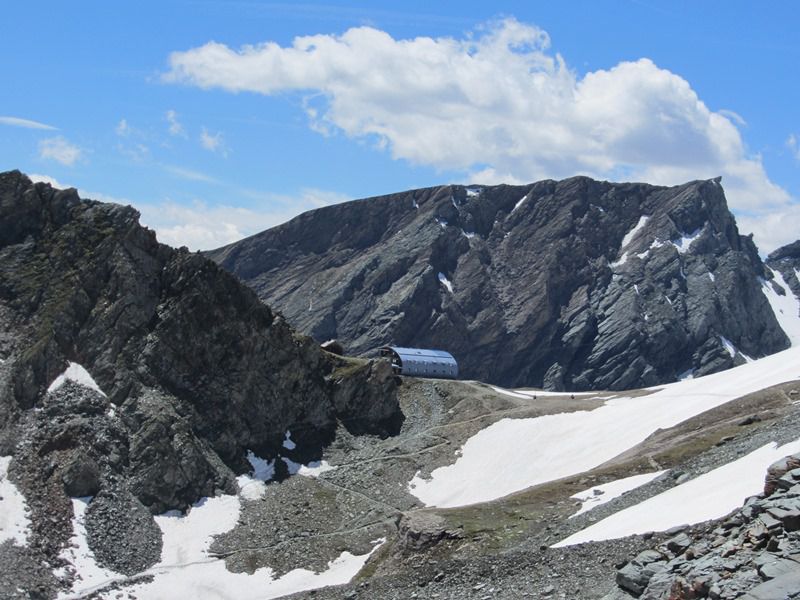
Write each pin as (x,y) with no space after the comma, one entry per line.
(753,553)
(194,369)
(570,284)
(786,261)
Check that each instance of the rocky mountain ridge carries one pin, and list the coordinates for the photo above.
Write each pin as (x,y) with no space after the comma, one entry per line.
(192,370)
(574,284)
(786,261)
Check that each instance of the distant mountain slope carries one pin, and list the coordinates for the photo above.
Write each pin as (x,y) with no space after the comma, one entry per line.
(573,284)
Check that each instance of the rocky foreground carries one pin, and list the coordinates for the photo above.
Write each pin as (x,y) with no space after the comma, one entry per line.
(753,554)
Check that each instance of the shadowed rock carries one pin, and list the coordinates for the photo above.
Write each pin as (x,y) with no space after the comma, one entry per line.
(572,284)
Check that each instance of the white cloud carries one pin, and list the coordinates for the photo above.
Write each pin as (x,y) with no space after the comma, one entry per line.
(733,116)
(39,178)
(123,129)
(175,127)
(203,227)
(190,174)
(26,123)
(60,150)
(793,145)
(213,142)
(137,152)
(499,104)
(772,230)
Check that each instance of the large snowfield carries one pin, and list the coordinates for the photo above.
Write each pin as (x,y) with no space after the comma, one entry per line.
(709,496)
(514,454)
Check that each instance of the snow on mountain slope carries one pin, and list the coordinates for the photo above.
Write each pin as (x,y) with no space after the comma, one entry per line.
(14,522)
(75,372)
(186,568)
(514,454)
(601,494)
(709,496)
(786,307)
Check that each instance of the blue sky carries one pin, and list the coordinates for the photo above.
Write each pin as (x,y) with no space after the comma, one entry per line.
(219,119)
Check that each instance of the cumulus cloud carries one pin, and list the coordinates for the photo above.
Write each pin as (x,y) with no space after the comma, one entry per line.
(213,142)
(201,226)
(204,226)
(60,150)
(39,178)
(26,123)
(175,127)
(774,229)
(497,104)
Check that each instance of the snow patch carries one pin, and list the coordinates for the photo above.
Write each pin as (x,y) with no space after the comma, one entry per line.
(445,282)
(514,454)
(288,443)
(786,308)
(683,244)
(81,558)
(254,485)
(711,277)
(468,234)
(601,494)
(511,393)
(519,203)
(728,345)
(636,287)
(78,374)
(618,263)
(708,496)
(529,394)
(442,223)
(632,233)
(14,521)
(686,375)
(312,469)
(473,191)
(186,570)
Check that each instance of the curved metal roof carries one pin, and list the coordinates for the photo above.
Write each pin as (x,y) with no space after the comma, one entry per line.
(422,353)
(424,361)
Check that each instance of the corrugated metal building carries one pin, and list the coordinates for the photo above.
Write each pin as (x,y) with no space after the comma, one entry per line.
(422,362)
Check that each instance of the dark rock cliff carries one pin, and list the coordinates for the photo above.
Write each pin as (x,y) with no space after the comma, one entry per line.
(195,369)
(786,261)
(572,284)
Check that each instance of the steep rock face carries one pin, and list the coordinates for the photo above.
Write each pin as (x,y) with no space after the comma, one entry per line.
(786,261)
(573,284)
(195,369)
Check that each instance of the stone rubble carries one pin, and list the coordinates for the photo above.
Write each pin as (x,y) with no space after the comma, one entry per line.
(753,553)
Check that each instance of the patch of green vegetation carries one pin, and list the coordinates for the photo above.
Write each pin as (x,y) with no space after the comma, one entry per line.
(324,494)
(348,366)
(376,560)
